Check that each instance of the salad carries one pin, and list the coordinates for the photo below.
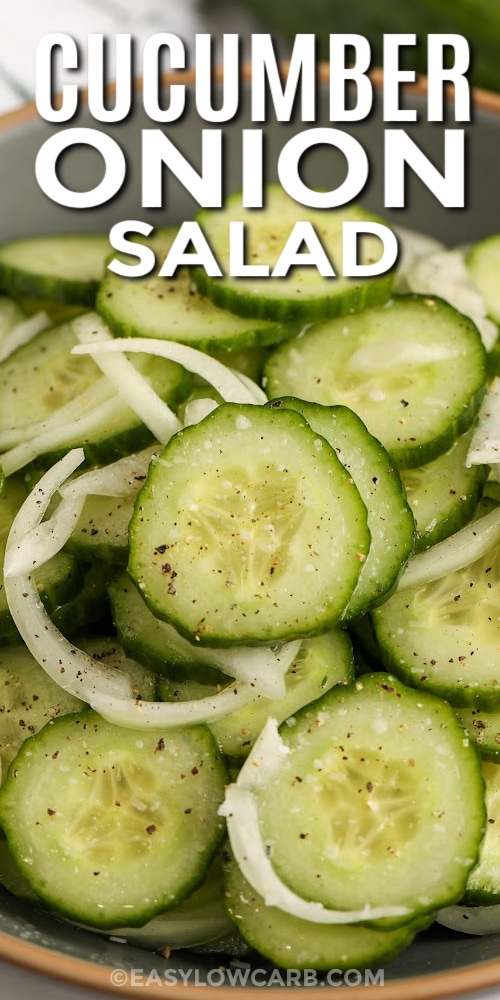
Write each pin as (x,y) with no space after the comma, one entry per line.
(249,657)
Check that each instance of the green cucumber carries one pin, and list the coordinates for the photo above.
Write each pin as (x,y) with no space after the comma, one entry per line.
(172,309)
(444,494)
(293,943)
(304,293)
(444,636)
(483,884)
(383,799)
(64,267)
(43,376)
(248,530)
(390,519)
(111,827)
(28,700)
(413,370)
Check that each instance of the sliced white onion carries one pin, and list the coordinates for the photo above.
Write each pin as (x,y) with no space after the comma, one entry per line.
(484,448)
(197,409)
(128,382)
(99,392)
(241,812)
(41,543)
(445,274)
(22,333)
(256,391)
(68,666)
(122,478)
(454,553)
(258,666)
(228,383)
(59,436)
(471,919)
(166,714)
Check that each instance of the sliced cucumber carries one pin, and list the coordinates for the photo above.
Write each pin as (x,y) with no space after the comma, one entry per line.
(304,293)
(28,700)
(157,643)
(383,799)
(248,530)
(483,263)
(484,728)
(390,519)
(101,531)
(444,494)
(414,371)
(63,267)
(43,376)
(293,943)
(173,309)
(483,885)
(445,636)
(322,662)
(109,828)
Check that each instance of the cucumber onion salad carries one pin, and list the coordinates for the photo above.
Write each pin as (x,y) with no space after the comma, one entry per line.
(250,632)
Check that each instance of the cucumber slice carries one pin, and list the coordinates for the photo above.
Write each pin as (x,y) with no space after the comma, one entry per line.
(248,530)
(297,944)
(483,263)
(390,519)
(43,376)
(173,309)
(444,494)
(483,885)
(101,531)
(414,371)
(63,267)
(89,606)
(157,643)
(383,799)
(322,662)
(28,700)
(304,293)
(484,728)
(445,636)
(110,829)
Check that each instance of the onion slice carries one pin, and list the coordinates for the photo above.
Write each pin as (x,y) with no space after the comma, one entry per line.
(453,553)
(231,387)
(22,333)
(74,670)
(241,812)
(128,382)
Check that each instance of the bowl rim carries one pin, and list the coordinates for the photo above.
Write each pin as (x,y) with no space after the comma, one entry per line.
(89,975)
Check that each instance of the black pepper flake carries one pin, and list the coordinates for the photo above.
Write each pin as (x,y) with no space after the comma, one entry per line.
(150,829)
(51,812)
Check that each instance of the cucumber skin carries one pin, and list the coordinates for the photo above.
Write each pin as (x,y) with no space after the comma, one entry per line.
(32,285)
(22,284)
(294,943)
(386,686)
(48,892)
(359,296)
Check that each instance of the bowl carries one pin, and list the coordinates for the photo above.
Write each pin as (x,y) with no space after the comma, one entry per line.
(439,963)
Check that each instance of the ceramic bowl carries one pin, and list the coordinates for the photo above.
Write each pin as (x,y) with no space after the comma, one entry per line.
(439,963)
